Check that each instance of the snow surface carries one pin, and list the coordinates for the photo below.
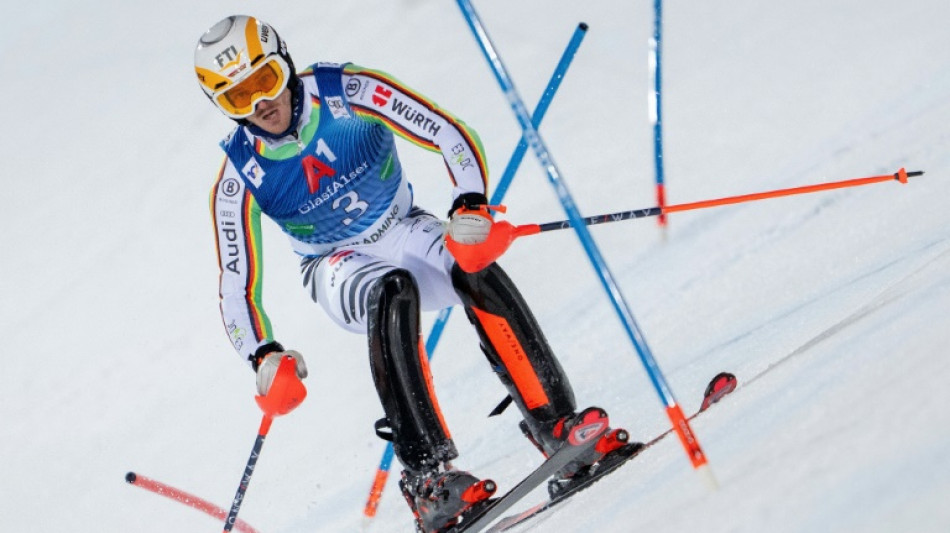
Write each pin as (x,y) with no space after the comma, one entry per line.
(831,308)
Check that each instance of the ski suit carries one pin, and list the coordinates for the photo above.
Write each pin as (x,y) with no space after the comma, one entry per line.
(369,257)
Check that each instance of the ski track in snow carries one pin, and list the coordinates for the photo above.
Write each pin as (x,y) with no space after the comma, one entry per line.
(896,291)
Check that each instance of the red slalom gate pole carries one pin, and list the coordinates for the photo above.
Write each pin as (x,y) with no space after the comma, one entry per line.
(186,498)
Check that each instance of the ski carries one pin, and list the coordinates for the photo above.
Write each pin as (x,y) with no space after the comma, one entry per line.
(581,439)
(720,385)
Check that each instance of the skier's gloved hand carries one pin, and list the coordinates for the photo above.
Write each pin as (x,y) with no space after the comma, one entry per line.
(472,236)
(470,221)
(267,360)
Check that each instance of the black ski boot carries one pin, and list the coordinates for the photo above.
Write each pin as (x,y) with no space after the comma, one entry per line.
(439,498)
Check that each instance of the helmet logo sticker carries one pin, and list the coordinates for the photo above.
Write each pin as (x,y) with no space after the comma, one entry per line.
(228,57)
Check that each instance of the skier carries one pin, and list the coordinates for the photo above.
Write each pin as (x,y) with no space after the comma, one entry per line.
(315,152)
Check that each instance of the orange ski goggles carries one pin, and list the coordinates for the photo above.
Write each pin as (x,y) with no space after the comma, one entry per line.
(265,82)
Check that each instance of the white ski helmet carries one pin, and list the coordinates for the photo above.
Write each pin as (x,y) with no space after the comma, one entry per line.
(241,61)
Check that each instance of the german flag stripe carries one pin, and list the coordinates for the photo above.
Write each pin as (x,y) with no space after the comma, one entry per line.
(252,239)
(466,133)
(251,215)
(371,114)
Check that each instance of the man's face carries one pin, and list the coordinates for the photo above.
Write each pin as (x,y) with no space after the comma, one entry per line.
(273,116)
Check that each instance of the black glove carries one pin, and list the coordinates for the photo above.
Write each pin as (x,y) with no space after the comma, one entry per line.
(262,352)
(469,200)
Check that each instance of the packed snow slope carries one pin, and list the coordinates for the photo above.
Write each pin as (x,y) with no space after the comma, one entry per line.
(831,308)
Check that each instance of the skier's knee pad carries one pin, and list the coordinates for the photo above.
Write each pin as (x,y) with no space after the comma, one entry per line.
(401,373)
(514,343)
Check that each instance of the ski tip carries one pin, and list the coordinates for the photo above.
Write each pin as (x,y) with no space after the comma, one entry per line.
(719,386)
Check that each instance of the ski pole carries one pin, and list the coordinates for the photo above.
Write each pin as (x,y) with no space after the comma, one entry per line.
(285,394)
(190,500)
(432,340)
(674,411)
(900,176)
(503,233)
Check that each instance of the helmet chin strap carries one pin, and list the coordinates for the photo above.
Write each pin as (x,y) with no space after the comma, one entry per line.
(296,105)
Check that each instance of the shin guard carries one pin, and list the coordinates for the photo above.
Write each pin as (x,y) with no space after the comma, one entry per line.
(400,367)
(515,345)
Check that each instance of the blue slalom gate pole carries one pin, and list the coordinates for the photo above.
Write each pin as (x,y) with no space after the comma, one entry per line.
(674,412)
(432,340)
(656,104)
(502,188)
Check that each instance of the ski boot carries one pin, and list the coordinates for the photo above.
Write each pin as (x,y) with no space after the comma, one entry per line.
(552,436)
(439,498)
